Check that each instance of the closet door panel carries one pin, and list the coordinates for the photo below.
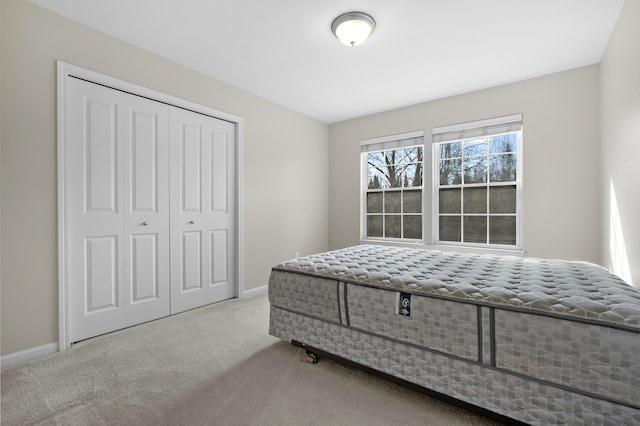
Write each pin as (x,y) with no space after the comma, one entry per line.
(144,270)
(191,147)
(202,159)
(219,257)
(188,256)
(118,209)
(94,161)
(144,161)
(101,274)
(146,219)
(220,172)
(190,261)
(101,149)
(221,216)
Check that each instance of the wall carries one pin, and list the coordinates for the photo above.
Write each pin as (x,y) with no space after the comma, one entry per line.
(620,94)
(285,154)
(561,195)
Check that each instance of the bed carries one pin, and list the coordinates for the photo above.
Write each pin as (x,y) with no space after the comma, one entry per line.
(534,340)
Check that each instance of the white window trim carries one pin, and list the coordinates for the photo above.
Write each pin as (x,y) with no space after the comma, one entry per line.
(384,139)
(473,247)
(479,123)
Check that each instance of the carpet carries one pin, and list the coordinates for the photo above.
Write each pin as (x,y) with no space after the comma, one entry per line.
(215,365)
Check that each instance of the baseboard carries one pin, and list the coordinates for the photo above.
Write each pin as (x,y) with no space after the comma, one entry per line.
(28,355)
(254,291)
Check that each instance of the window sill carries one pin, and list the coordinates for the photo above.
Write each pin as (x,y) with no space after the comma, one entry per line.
(518,252)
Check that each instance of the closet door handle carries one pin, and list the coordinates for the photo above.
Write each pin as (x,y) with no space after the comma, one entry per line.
(145,223)
(191,222)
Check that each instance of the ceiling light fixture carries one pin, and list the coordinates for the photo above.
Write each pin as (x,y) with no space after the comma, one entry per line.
(353,28)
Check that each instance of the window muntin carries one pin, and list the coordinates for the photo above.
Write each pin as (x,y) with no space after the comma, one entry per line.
(394,193)
(478,190)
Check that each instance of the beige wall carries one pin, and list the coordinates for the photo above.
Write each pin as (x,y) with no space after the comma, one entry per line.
(561,191)
(620,94)
(285,154)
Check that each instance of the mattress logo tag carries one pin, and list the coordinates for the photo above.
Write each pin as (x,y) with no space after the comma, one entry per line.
(403,304)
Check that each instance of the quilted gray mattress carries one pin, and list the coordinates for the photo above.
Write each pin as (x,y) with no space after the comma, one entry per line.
(561,287)
(541,341)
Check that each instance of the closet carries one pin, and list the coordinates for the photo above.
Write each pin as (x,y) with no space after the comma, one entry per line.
(149,203)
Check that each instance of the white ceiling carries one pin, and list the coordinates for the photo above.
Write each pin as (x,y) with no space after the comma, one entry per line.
(284,51)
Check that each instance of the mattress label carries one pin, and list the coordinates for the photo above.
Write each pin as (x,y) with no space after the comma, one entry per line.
(403,304)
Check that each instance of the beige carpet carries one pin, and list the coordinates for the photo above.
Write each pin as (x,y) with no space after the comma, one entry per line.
(215,365)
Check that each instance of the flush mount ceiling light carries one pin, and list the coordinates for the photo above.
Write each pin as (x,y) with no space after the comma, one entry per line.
(353,28)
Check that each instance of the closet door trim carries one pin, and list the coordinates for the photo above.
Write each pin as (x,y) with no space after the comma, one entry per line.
(66,71)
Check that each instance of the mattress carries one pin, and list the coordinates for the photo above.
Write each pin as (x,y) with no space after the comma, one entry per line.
(532,339)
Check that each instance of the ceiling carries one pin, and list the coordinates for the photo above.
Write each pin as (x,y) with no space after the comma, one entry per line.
(284,51)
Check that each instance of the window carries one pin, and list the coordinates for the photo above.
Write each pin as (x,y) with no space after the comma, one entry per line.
(392,187)
(478,182)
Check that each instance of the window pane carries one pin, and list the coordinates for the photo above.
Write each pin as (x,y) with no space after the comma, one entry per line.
(374,202)
(392,202)
(503,143)
(375,180)
(393,169)
(413,226)
(503,167)
(393,226)
(449,200)
(393,156)
(502,199)
(412,201)
(475,200)
(502,230)
(395,173)
(475,170)
(475,229)
(383,170)
(375,159)
(475,147)
(374,226)
(450,228)
(451,150)
(451,172)
(413,175)
(376,171)
(413,154)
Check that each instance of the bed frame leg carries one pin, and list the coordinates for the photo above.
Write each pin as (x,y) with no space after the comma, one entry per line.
(312,358)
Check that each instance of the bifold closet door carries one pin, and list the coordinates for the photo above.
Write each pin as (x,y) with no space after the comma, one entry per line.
(116,185)
(202,209)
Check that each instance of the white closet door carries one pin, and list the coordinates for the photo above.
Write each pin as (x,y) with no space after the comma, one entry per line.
(146,205)
(116,180)
(95,210)
(202,209)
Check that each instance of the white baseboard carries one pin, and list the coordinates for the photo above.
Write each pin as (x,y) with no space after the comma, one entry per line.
(254,291)
(28,355)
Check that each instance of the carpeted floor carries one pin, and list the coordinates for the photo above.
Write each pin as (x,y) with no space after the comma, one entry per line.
(215,365)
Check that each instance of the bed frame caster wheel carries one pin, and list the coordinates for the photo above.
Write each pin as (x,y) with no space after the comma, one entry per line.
(312,358)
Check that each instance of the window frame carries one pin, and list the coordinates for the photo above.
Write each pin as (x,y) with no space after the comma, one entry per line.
(472,129)
(388,143)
